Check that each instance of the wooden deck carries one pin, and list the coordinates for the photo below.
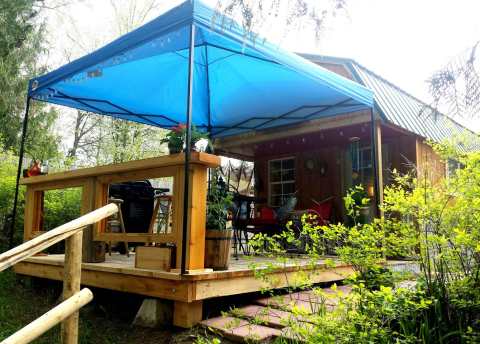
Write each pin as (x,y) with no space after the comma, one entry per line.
(188,291)
(118,273)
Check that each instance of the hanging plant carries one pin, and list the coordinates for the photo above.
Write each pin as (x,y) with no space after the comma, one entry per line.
(175,139)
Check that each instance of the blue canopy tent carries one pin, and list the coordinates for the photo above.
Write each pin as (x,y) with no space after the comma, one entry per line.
(193,66)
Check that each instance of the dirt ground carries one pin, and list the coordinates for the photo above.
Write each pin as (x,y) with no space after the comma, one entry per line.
(106,320)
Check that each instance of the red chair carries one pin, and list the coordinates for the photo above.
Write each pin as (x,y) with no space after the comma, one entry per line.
(267,216)
(321,212)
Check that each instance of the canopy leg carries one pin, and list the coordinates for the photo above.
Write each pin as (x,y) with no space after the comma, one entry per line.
(19,171)
(188,140)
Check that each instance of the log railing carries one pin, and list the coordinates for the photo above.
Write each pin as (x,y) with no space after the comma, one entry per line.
(74,298)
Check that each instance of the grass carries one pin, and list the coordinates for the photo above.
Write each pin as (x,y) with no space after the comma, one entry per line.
(104,321)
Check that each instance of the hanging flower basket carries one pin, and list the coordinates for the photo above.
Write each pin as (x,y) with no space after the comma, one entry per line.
(175,139)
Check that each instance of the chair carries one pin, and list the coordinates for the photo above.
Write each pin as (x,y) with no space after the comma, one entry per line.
(241,214)
(322,212)
(272,221)
(160,222)
(116,224)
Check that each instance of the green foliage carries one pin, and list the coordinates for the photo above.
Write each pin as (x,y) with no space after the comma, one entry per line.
(445,219)
(435,224)
(219,201)
(61,206)
(8,170)
(121,141)
(21,44)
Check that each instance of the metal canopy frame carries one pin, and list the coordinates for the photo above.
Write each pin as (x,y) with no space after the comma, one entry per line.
(209,128)
(263,122)
(188,141)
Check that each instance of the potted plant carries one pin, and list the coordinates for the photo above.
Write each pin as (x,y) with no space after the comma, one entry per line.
(218,238)
(175,139)
(360,204)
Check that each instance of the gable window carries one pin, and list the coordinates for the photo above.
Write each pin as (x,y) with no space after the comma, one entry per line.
(281,174)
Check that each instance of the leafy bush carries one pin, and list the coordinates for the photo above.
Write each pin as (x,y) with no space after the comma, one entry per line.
(8,171)
(61,206)
(435,224)
(219,201)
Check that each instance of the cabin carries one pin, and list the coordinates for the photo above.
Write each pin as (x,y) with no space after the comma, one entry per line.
(320,160)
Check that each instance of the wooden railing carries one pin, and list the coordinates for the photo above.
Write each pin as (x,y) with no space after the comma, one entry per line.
(74,298)
(95,182)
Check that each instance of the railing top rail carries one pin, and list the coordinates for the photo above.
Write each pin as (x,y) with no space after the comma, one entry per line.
(40,243)
(198,158)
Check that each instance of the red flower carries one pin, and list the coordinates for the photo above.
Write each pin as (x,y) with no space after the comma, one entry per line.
(179,128)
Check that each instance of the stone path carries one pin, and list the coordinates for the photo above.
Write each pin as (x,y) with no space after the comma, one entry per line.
(268,318)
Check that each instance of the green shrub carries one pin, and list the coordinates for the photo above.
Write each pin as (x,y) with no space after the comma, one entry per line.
(435,224)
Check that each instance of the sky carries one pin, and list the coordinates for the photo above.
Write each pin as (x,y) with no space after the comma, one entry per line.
(404,41)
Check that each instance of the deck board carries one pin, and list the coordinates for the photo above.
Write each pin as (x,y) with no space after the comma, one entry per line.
(119,273)
(122,264)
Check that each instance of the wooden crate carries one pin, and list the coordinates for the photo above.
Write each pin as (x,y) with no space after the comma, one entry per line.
(153,258)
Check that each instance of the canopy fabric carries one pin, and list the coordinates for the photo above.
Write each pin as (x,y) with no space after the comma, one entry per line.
(240,83)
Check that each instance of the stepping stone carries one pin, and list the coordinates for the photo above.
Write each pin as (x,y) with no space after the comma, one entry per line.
(328,296)
(264,315)
(293,336)
(240,330)
(345,289)
(254,333)
(223,323)
(288,304)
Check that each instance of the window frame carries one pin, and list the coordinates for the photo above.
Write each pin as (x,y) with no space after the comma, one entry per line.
(270,183)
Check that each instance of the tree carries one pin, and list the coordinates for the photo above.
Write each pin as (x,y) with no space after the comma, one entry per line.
(456,87)
(255,15)
(100,139)
(21,45)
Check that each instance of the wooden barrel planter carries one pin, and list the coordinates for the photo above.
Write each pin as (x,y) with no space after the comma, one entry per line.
(217,248)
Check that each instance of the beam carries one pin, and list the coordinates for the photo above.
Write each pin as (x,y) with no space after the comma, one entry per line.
(311,126)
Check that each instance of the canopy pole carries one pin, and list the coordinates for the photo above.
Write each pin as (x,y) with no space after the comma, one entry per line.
(19,171)
(209,126)
(375,162)
(188,140)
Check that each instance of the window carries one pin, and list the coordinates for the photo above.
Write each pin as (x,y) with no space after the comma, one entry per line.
(282,180)
(452,166)
(365,163)
(361,164)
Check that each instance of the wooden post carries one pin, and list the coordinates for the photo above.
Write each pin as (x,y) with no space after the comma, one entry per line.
(93,251)
(187,314)
(378,152)
(71,284)
(196,218)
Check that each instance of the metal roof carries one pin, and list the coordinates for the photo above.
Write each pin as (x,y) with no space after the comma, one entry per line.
(401,108)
